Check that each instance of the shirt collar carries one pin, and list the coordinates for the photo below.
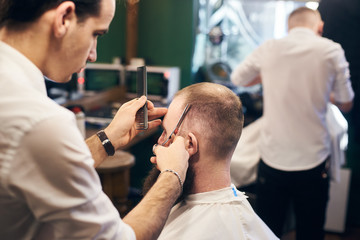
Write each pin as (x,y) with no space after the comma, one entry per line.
(302,30)
(224,194)
(34,76)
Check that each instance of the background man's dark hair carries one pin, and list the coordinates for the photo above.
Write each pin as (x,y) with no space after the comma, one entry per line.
(18,12)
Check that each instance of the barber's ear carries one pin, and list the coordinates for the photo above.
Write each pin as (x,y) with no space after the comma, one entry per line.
(320,28)
(64,15)
(191,144)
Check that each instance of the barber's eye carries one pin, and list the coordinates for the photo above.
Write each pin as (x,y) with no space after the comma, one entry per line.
(97,35)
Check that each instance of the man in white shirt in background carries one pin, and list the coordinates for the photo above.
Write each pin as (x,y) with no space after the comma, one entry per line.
(210,207)
(300,73)
(49,188)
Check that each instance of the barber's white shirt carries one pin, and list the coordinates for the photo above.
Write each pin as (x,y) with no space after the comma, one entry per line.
(49,188)
(221,214)
(298,73)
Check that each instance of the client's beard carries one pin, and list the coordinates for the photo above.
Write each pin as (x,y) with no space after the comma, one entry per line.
(154,174)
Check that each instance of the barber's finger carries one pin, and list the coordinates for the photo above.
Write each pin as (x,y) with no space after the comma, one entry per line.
(154,123)
(156,113)
(140,102)
(136,103)
(129,102)
(150,105)
(153,160)
(154,148)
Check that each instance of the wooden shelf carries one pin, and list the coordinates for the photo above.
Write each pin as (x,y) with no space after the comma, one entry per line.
(88,102)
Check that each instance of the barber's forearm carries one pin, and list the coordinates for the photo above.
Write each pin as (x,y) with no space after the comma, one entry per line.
(148,218)
(242,76)
(344,107)
(97,150)
(256,80)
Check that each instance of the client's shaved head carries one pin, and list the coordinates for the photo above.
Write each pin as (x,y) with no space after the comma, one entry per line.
(215,118)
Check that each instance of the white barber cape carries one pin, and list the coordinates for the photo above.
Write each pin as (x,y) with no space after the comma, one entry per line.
(243,168)
(221,214)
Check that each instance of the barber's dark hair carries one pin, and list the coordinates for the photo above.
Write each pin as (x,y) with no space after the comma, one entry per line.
(16,12)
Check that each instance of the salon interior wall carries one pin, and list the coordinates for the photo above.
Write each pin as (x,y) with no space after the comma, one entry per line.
(165,35)
(113,43)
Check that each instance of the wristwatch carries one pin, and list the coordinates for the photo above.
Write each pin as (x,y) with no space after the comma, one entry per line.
(109,148)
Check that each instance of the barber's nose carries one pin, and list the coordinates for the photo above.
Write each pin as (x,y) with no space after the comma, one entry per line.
(92,54)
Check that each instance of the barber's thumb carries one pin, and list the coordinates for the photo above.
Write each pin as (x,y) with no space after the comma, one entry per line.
(140,102)
(156,147)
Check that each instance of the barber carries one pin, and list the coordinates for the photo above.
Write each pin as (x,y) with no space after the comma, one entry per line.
(49,188)
(301,73)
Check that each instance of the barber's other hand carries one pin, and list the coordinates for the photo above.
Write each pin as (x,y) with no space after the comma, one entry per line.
(174,157)
(123,127)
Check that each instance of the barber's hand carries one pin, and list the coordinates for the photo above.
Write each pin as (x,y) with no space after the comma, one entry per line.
(122,128)
(174,157)
(154,113)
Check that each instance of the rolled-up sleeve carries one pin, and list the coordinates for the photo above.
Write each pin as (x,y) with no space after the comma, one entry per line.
(247,70)
(342,88)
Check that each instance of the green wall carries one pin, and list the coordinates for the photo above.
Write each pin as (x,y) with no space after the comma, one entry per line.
(165,35)
(113,43)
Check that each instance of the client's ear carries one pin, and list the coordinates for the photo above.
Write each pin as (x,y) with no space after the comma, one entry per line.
(191,144)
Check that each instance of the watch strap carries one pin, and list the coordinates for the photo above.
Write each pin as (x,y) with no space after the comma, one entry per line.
(109,148)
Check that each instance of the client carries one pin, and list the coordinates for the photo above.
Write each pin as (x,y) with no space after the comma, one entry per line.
(210,206)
